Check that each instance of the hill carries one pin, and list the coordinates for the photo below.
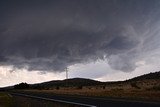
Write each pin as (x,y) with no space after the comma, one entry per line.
(149,79)
(74,82)
(155,75)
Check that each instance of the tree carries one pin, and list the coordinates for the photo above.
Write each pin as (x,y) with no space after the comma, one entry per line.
(21,86)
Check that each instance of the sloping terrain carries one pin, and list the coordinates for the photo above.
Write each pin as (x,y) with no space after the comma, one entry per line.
(75,82)
(146,80)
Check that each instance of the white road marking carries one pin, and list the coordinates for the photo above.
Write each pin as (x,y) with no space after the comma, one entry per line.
(49,99)
(10,95)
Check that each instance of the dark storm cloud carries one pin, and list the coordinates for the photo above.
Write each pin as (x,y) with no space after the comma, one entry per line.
(52,35)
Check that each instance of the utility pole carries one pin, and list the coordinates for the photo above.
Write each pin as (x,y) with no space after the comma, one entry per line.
(66,73)
(66,69)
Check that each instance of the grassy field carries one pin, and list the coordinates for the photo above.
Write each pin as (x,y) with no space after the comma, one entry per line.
(139,90)
(115,93)
(5,100)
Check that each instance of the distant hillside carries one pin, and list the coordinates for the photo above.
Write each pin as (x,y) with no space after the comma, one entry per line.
(74,82)
(155,75)
(79,82)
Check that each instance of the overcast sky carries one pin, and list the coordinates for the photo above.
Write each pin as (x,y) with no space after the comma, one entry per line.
(104,40)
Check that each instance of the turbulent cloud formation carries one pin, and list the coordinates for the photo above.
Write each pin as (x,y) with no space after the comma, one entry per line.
(52,35)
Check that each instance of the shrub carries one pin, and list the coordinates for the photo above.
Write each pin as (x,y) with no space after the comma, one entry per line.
(103,87)
(57,87)
(157,88)
(134,84)
(80,87)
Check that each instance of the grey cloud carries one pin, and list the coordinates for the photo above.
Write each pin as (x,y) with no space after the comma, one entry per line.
(52,35)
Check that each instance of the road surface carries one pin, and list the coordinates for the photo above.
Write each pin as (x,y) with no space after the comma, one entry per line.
(87,101)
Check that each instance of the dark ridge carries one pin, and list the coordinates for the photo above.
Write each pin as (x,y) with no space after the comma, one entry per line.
(154,75)
(74,82)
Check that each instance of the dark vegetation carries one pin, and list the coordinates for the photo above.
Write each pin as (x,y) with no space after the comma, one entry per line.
(21,86)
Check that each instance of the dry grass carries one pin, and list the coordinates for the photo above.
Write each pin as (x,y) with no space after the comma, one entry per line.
(146,90)
(112,93)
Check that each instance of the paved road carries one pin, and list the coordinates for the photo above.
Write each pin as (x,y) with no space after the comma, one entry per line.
(96,102)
